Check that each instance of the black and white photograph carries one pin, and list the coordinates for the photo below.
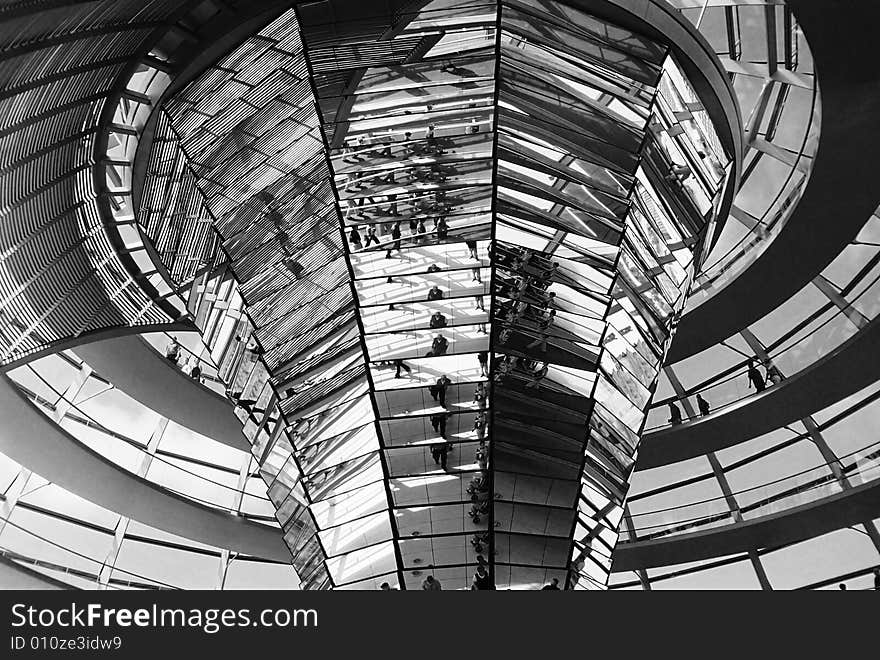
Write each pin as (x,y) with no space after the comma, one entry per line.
(437,295)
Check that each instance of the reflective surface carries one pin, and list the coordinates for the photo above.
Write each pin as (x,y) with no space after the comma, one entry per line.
(492,227)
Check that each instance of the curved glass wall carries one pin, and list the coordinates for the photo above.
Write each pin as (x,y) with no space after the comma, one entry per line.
(857,462)
(821,317)
(70,540)
(141,442)
(771,68)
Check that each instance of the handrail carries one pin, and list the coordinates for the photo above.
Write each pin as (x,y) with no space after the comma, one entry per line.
(780,352)
(41,402)
(687,524)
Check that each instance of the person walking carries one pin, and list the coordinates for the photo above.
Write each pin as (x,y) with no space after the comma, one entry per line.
(703,405)
(755,377)
(674,414)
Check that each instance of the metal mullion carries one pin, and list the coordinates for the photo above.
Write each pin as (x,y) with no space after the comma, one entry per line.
(493,218)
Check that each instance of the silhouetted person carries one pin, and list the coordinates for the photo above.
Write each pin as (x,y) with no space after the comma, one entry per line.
(755,377)
(472,248)
(842,587)
(435,293)
(703,405)
(196,371)
(674,414)
(553,586)
(434,268)
(354,238)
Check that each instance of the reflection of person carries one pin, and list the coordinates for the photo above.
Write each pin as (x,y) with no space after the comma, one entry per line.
(553,586)
(172,351)
(481,579)
(440,453)
(430,584)
(438,421)
(196,371)
(483,357)
(400,364)
(472,248)
(480,395)
(354,238)
(482,457)
(442,230)
(435,293)
(371,236)
(538,376)
(480,426)
(395,235)
(439,345)
(438,389)
(437,321)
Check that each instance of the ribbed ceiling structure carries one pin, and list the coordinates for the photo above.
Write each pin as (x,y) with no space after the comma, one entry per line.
(54,88)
